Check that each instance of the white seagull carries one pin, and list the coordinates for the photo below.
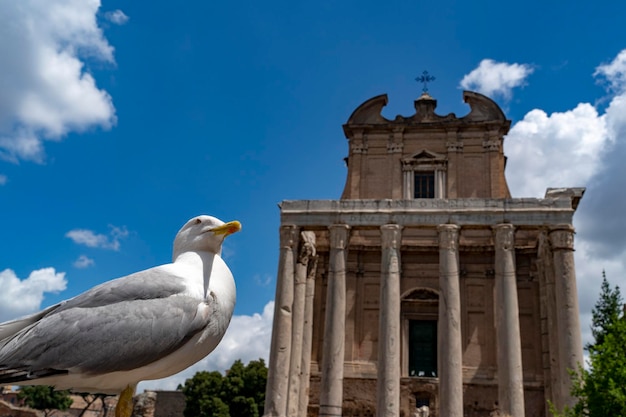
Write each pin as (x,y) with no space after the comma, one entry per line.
(147,325)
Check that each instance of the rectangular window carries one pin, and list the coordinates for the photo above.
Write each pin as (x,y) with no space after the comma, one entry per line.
(423,348)
(424,185)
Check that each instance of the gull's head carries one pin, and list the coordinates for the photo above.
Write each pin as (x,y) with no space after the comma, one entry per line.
(203,233)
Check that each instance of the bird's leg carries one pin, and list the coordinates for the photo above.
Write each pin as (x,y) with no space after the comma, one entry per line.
(124,406)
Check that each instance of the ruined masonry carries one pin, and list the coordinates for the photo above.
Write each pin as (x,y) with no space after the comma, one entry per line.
(426,289)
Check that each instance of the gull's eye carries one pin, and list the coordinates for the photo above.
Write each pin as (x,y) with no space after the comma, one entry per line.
(198,221)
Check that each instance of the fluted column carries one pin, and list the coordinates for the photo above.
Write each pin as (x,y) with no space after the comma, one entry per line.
(389,323)
(449,335)
(570,343)
(307,338)
(278,377)
(306,252)
(331,389)
(510,372)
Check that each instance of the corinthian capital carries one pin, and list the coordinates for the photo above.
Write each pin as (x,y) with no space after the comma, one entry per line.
(505,236)
(448,236)
(307,247)
(288,235)
(391,235)
(339,234)
(562,237)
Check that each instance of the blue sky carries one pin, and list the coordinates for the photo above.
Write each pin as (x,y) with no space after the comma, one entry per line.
(119,121)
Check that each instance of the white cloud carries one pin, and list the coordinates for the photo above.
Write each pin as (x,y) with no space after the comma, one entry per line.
(46,90)
(247,338)
(3,179)
(585,147)
(116,16)
(614,72)
(496,78)
(83,261)
(20,297)
(94,240)
(560,150)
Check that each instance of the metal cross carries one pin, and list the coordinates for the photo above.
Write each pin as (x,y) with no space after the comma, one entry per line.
(425,78)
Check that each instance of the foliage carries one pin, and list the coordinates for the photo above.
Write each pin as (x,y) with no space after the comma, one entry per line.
(606,311)
(239,393)
(45,398)
(600,390)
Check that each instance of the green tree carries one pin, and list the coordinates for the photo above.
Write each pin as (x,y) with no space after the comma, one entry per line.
(600,389)
(238,393)
(45,398)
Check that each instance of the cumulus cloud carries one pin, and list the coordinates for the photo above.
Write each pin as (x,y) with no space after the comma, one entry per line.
(116,16)
(46,89)
(496,78)
(584,146)
(23,296)
(83,261)
(247,338)
(563,149)
(94,240)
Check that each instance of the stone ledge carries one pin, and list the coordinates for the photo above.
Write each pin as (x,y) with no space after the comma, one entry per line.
(558,208)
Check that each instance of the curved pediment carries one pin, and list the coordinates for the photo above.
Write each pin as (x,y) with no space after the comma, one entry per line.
(482,109)
(370,111)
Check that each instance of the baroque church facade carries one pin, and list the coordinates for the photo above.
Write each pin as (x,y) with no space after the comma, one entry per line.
(426,289)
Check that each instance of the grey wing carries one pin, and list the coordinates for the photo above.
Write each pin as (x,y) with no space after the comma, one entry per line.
(101,339)
(145,285)
(153,283)
(89,336)
(10,328)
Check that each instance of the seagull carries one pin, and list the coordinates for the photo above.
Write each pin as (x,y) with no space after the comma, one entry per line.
(147,325)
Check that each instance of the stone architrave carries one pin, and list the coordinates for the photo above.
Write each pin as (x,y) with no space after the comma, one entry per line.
(306,252)
(278,377)
(307,338)
(570,343)
(389,323)
(510,372)
(331,389)
(449,333)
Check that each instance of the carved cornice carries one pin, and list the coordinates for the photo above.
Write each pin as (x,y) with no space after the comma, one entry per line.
(428,212)
(454,146)
(492,145)
(358,147)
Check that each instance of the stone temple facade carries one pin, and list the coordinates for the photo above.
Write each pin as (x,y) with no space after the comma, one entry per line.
(426,286)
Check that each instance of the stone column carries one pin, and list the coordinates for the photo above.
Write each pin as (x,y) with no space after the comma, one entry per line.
(307,251)
(510,373)
(388,394)
(570,343)
(450,358)
(331,389)
(280,351)
(307,338)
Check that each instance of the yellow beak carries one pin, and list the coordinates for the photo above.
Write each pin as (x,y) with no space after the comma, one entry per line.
(227,228)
